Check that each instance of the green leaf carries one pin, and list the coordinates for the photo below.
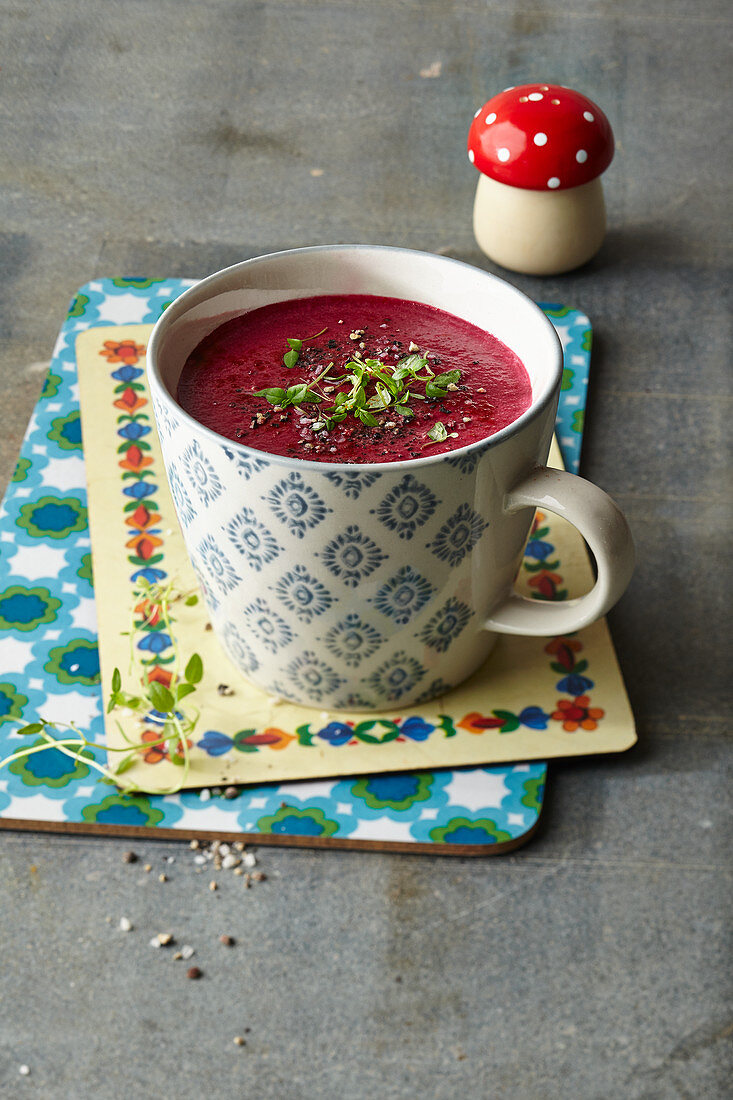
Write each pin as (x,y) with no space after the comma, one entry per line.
(296,345)
(191,600)
(160,697)
(403,410)
(411,364)
(274,394)
(448,378)
(296,394)
(116,680)
(183,690)
(290,358)
(438,432)
(124,765)
(366,418)
(194,669)
(33,727)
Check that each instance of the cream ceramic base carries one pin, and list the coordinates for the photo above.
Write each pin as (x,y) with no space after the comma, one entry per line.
(539,232)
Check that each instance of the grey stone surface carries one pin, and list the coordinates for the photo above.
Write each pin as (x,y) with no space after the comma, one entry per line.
(166,138)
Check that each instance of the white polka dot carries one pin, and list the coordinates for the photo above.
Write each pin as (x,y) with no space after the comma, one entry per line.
(588,116)
(503,155)
(477,113)
(535,96)
(471,155)
(540,139)
(490,118)
(553,182)
(581,156)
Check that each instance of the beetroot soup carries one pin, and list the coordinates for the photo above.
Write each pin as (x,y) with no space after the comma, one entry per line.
(353,378)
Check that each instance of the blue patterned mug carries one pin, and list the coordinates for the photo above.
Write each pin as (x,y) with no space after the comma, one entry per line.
(363,587)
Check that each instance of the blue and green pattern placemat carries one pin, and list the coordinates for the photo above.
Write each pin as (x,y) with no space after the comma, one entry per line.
(49,664)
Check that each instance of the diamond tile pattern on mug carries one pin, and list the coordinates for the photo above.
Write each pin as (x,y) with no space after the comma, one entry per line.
(406,507)
(302,594)
(352,556)
(252,539)
(297,505)
(403,595)
(458,535)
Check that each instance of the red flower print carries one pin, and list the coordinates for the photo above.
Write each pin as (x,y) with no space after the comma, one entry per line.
(478,723)
(162,675)
(577,714)
(144,545)
(155,753)
(142,517)
(150,613)
(563,649)
(123,351)
(558,644)
(546,583)
(134,459)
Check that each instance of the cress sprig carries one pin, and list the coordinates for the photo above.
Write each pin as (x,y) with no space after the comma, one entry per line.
(179,721)
(374,388)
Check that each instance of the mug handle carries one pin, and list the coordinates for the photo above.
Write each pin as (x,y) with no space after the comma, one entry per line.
(603,526)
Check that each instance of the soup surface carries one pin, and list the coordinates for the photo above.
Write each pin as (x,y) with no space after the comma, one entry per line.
(353,378)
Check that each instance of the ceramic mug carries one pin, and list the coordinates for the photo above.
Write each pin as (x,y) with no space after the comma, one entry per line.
(367,586)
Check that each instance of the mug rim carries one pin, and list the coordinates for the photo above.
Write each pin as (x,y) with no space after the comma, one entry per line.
(180,305)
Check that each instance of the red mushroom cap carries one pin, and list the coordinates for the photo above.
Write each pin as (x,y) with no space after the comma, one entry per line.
(541,137)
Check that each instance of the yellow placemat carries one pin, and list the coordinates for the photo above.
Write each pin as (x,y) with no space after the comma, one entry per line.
(534,698)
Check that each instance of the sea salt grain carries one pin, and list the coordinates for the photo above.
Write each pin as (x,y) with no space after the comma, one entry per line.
(125,924)
(249,859)
(24,1070)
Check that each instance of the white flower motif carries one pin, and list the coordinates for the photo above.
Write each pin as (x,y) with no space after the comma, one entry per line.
(245,465)
(458,535)
(312,676)
(352,640)
(184,509)
(352,483)
(269,628)
(217,565)
(445,626)
(297,505)
(403,595)
(252,539)
(239,650)
(302,594)
(201,473)
(406,507)
(396,677)
(351,556)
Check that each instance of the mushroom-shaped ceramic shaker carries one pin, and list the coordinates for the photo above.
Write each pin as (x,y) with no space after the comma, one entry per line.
(539,206)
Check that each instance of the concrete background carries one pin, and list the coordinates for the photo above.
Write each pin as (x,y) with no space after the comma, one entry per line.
(172,138)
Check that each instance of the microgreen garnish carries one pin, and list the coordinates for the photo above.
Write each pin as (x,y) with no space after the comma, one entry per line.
(153,602)
(291,397)
(290,358)
(370,388)
(438,432)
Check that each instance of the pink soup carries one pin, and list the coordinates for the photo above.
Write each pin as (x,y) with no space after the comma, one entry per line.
(220,377)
